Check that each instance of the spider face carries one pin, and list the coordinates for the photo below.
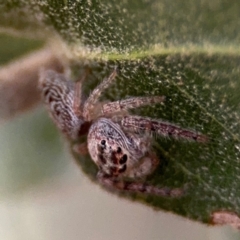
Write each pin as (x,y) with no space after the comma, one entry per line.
(118,143)
(115,152)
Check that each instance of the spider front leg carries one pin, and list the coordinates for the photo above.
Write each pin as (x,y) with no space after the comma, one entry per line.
(144,125)
(138,187)
(130,103)
(78,95)
(90,110)
(94,96)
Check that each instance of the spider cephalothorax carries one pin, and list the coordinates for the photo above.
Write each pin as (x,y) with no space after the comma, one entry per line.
(119,143)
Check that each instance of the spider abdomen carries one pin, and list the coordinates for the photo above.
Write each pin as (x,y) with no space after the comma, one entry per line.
(58,95)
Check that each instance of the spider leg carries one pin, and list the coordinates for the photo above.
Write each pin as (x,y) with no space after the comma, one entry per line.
(94,96)
(77,97)
(130,103)
(138,187)
(80,148)
(147,125)
(147,165)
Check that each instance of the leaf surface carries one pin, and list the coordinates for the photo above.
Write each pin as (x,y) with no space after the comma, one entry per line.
(186,51)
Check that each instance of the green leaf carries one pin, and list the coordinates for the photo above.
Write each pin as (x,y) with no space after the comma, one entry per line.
(198,96)
(187,51)
(118,26)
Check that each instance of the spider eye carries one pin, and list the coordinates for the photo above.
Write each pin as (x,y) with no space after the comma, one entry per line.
(103,142)
(119,150)
(123,159)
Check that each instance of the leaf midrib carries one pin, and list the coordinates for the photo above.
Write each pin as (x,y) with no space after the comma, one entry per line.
(188,49)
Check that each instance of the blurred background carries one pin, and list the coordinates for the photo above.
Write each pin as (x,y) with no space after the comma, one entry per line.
(44,195)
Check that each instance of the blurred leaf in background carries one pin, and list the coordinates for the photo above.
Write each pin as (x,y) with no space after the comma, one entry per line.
(29,141)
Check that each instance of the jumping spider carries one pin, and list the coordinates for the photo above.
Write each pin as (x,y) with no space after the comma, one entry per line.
(118,143)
